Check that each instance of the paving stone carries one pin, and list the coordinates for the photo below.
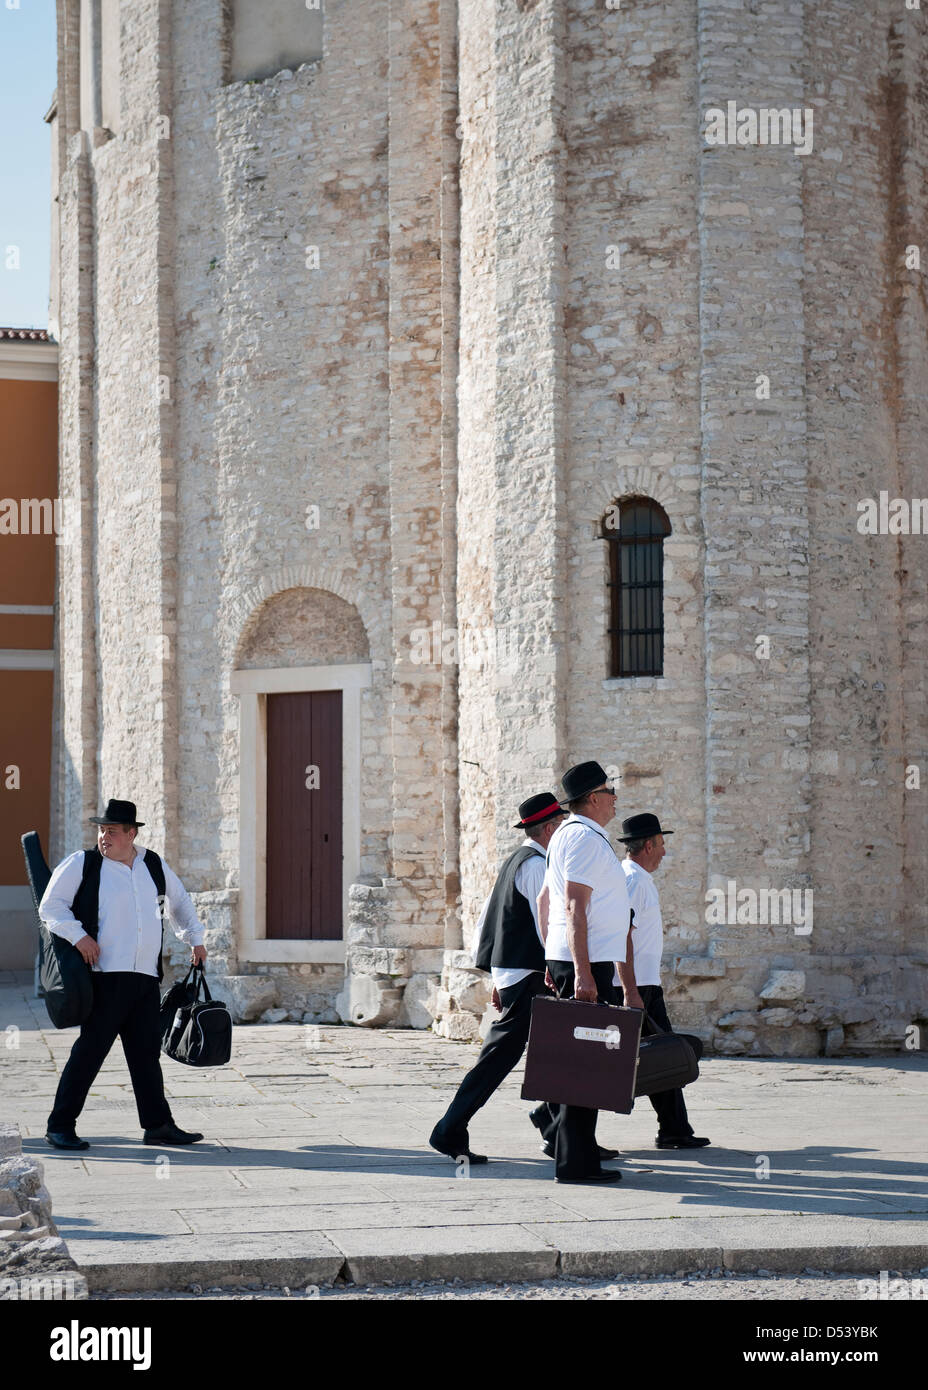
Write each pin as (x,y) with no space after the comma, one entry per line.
(301,1154)
(395,1254)
(280,1258)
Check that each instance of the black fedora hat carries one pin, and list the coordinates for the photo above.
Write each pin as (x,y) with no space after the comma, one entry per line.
(537,809)
(641,828)
(583,778)
(117,813)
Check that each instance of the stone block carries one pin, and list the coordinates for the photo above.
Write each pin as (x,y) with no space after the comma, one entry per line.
(795,1041)
(216,912)
(698,967)
(855,1011)
(24,1176)
(10,1140)
(246,995)
(368,1001)
(470,991)
(22,1221)
(420,1000)
(737,1019)
(427,962)
(275,1016)
(784,984)
(777,1018)
(419,935)
(698,991)
(459,1027)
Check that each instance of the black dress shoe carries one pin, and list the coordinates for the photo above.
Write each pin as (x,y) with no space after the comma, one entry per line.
(604,1176)
(454,1151)
(59,1140)
(170,1134)
(604,1155)
(681,1141)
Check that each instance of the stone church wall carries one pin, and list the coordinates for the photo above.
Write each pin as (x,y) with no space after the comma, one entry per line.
(315,344)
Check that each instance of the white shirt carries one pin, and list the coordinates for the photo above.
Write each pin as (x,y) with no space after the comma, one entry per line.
(528,880)
(580,852)
(648,929)
(129,928)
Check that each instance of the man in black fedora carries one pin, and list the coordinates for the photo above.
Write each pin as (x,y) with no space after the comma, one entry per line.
(509,946)
(643,839)
(108,903)
(585,911)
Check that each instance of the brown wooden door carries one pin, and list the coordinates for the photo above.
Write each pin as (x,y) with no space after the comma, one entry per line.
(304,816)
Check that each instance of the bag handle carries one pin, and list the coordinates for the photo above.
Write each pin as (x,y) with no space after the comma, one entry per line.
(201,980)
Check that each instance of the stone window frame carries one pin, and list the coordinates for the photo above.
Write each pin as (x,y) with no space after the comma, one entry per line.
(613,603)
(252,688)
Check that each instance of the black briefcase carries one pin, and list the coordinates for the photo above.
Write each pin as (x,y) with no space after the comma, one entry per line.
(64,977)
(666,1061)
(199,1032)
(582,1054)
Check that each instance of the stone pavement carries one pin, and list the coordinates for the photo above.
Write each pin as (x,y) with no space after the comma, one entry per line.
(316,1165)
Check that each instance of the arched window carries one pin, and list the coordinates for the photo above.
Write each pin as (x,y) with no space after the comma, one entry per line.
(635,529)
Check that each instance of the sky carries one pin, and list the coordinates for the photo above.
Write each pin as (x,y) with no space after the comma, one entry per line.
(27,82)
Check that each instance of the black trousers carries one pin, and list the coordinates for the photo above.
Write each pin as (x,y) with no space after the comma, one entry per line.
(672,1119)
(125,1005)
(574,1129)
(501,1051)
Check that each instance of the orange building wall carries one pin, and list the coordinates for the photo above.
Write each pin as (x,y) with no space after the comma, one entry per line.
(28,468)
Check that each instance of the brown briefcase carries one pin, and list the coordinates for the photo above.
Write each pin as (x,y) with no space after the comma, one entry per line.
(582,1054)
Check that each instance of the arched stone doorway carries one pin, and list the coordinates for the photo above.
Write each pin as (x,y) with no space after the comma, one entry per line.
(302,663)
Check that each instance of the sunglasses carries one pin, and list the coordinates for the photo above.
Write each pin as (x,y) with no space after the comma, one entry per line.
(610,791)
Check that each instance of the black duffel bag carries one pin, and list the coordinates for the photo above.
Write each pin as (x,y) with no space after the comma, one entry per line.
(64,977)
(666,1061)
(195,1031)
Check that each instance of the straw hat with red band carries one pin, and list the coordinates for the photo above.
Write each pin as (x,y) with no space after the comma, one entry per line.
(537,810)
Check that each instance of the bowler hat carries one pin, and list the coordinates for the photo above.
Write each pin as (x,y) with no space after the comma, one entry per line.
(641,828)
(537,810)
(583,778)
(117,813)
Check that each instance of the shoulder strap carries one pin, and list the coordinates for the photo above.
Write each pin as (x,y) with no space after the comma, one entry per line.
(582,827)
(85,905)
(155,867)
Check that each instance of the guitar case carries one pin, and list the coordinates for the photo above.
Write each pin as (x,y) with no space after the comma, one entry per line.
(64,977)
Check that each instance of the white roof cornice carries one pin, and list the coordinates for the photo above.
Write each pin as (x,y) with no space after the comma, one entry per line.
(28,361)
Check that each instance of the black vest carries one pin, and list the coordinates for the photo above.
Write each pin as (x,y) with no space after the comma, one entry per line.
(86,904)
(509,939)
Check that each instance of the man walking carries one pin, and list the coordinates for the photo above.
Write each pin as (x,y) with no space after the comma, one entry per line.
(509,946)
(107,903)
(641,974)
(585,905)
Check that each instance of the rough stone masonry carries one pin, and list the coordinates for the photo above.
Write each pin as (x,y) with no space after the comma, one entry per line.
(373,343)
